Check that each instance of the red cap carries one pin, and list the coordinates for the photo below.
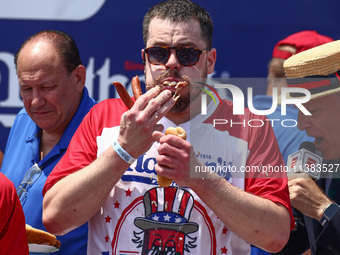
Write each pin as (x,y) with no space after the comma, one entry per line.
(302,41)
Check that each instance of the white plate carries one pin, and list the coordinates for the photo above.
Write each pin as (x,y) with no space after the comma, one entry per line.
(41,248)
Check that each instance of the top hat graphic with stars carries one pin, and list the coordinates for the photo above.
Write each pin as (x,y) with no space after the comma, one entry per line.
(167,208)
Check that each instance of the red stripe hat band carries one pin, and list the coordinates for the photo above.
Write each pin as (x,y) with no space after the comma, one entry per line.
(315,84)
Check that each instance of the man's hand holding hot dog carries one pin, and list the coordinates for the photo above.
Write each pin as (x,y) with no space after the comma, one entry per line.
(138,124)
(175,158)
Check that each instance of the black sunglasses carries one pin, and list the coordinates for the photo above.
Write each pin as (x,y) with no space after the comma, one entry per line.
(187,56)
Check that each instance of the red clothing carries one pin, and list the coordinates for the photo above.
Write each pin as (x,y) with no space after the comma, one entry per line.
(121,223)
(12,220)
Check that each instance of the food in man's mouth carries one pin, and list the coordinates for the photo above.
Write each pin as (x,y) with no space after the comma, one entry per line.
(178,86)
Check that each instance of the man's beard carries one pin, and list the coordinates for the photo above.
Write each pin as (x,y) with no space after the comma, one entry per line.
(183,102)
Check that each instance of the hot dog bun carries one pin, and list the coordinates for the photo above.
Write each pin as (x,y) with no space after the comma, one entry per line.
(38,236)
(180,132)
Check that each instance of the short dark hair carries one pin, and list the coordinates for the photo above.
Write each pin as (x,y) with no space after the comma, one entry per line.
(64,44)
(180,10)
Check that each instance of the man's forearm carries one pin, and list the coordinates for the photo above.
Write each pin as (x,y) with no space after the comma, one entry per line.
(257,220)
(73,200)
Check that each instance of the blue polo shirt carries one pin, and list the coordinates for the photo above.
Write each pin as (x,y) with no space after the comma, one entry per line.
(22,151)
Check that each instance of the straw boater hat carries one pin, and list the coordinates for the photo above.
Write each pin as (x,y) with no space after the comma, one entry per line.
(316,69)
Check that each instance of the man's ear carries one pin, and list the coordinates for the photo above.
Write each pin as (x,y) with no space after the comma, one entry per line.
(143,55)
(211,60)
(80,74)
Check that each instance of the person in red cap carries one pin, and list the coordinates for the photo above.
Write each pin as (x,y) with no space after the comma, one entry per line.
(287,47)
(289,138)
(299,42)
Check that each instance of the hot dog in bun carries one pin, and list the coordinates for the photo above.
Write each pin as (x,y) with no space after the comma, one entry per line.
(180,132)
(38,236)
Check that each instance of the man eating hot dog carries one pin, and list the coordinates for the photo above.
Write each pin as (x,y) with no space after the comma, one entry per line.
(108,175)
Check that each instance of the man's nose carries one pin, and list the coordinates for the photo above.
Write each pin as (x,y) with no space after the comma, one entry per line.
(173,62)
(37,98)
(303,121)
